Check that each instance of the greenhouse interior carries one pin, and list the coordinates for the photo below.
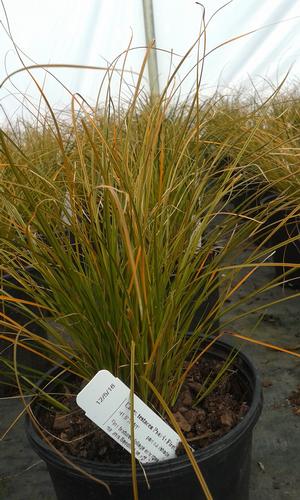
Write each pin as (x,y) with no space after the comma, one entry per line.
(150,250)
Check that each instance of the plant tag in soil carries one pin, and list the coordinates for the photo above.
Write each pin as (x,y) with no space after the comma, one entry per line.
(105,400)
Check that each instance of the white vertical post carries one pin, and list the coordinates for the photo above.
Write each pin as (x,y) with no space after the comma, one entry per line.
(150,37)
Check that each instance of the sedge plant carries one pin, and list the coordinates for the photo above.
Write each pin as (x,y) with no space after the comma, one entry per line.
(131,234)
(144,238)
(271,156)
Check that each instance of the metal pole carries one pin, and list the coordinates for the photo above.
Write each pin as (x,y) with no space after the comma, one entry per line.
(150,37)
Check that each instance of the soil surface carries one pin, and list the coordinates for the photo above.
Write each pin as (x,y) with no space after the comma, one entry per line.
(276,442)
(202,420)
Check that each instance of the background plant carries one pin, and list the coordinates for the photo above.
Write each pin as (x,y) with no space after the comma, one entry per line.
(271,157)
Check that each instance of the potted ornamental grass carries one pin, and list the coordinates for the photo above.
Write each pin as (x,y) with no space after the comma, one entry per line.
(268,166)
(131,236)
(28,148)
(283,176)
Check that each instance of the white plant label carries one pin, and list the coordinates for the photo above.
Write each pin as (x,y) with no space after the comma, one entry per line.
(106,401)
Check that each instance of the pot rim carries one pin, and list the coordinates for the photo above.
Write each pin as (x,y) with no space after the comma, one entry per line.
(110,470)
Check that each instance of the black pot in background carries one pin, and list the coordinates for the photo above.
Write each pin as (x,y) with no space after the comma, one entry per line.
(225,463)
(11,286)
(288,253)
(246,198)
(204,309)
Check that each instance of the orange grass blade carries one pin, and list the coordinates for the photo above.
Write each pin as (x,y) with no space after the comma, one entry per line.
(132,443)
(239,284)
(262,343)
(202,352)
(185,444)
(22,301)
(134,270)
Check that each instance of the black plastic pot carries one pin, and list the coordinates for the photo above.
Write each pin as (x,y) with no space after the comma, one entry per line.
(225,463)
(247,197)
(206,308)
(288,253)
(25,358)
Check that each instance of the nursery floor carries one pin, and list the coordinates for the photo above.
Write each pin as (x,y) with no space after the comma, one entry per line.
(276,448)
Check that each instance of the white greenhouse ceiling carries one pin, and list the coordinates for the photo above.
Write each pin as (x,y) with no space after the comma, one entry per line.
(95,32)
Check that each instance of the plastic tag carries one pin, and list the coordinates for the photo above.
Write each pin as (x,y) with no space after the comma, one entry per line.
(105,400)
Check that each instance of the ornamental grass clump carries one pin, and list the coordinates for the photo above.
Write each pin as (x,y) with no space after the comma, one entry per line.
(282,124)
(33,150)
(131,233)
(268,165)
(270,159)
